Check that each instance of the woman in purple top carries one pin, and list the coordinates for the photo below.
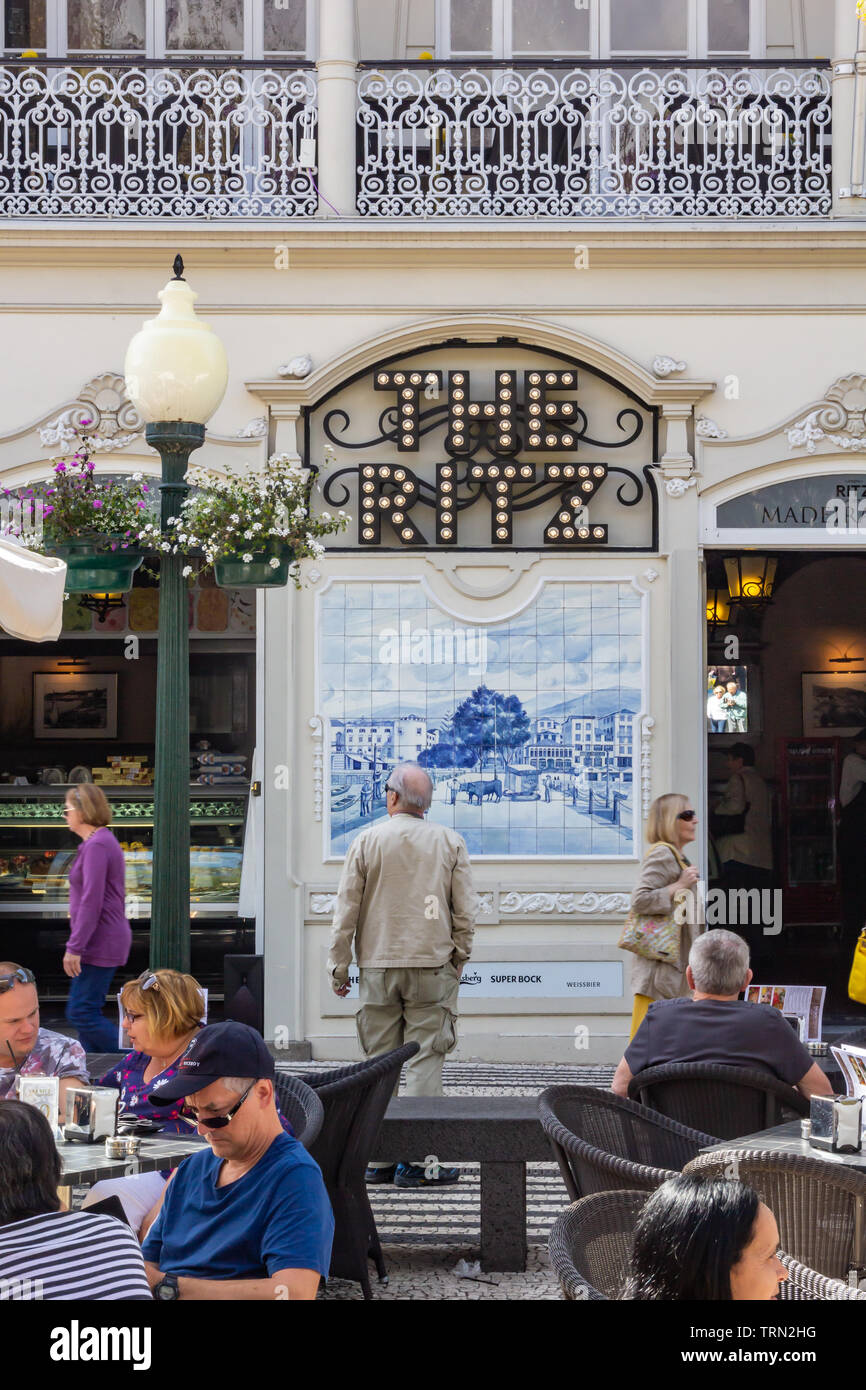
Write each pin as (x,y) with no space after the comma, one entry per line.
(100,938)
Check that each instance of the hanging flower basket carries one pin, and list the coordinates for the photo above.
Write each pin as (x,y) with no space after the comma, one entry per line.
(90,566)
(258,569)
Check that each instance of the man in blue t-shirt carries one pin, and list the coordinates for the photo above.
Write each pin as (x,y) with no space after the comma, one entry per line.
(249,1217)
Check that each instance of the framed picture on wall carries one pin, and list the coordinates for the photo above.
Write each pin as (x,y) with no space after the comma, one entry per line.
(834,703)
(67,705)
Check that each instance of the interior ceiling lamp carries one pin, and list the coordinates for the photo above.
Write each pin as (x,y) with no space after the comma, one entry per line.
(719,608)
(750,579)
(101,604)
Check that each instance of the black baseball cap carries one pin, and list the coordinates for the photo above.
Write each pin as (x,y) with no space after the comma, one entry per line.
(220,1049)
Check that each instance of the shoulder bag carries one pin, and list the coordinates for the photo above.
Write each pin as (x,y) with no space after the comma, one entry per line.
(857,981)
(656,936)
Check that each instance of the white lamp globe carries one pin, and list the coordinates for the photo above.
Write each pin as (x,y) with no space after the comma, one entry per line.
(176,367)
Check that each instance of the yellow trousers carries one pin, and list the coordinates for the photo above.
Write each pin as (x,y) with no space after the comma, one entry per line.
(638,1013)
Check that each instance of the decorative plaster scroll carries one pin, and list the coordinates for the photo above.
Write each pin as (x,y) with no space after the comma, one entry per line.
(323,904)
(843,409)
(708,429)
(299,367)
(531,904)
(112,420)
(665,366)
(647,724)
(254,429)
(650,576)
(677,487)
(317,726)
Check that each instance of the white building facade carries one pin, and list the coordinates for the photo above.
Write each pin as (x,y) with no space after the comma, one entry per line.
(550,312)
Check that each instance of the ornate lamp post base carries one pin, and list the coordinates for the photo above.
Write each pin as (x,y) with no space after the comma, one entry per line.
(169,927)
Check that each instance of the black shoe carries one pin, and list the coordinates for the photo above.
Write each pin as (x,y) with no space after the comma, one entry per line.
(414,1175)
(373,1175)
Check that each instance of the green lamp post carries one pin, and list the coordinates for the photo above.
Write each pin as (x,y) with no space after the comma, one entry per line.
(176,374)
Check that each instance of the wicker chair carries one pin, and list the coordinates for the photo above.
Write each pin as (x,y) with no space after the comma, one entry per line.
(602,1141)
(807,1285)
(301,1106)
(590,1244)
(819,1206)
(355,1099)
(729,1102)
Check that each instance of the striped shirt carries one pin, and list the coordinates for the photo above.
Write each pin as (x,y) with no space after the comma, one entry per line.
(71,1255)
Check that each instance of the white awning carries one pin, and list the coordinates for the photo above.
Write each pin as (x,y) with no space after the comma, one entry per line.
(31,593)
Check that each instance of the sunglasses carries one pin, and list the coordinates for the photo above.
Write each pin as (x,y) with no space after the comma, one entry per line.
(389,788)
(687,815)
(219,1121)
(147,980)
(19,976)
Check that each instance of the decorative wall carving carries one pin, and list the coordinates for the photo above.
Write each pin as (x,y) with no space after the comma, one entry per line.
(317,728)
(323,904)
(708,429)
(840,420)
(532,903)
(677,487)
(665,366)
(299,367)
(647,724)
(254,429)
(112,420)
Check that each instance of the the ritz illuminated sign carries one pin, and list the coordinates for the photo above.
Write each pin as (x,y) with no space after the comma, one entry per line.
(483,439)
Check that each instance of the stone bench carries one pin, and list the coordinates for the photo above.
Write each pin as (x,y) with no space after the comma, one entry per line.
(502,1133)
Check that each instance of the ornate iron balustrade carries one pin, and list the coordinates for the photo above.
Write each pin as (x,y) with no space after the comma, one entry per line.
(631,141)
(155,141)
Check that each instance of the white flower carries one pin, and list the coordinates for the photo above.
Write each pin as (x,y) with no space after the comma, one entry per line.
(247,559)
(187,569)
(138,477)
(257,526)
(235,518)
(326,516)
(248,535)
(274,563)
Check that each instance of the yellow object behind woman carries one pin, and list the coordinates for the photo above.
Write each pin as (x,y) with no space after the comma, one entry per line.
(638,1013)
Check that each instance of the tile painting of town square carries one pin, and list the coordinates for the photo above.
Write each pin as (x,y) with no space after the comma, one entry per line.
(527,727)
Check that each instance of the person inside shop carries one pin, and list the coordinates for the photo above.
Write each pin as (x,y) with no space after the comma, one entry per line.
(163,1010)
(249,1217)
(665,872)
(26,1049)
(715,1025)
(852,855)
(740,824)
(100,936)
(735,704)
(704,1240)
(46,1253)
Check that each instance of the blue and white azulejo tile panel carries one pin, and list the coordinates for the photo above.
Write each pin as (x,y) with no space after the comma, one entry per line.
(527,726)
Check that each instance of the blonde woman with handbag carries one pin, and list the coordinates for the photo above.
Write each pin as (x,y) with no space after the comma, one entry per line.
(665,873)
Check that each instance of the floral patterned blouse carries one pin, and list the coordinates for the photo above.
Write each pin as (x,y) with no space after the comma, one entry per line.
(128,1078)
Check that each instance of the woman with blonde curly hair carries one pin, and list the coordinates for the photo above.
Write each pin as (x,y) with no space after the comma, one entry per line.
(671,825)
(163,1011)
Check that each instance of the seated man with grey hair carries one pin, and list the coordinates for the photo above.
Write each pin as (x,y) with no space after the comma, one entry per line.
(406,903)
(714,1025)
(249,1216)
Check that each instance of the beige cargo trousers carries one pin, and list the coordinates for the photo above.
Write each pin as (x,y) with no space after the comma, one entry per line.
(412,1004)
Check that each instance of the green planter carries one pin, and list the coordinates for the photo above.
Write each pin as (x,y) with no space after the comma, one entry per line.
(91,568)
(257,573)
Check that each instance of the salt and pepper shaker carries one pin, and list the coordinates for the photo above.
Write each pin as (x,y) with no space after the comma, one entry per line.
(805,1129)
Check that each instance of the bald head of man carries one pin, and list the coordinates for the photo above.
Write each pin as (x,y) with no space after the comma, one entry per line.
(410,790)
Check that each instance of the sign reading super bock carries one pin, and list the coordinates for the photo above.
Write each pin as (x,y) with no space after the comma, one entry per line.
(473,447)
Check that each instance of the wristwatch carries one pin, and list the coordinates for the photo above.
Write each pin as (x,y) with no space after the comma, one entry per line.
(167,1290)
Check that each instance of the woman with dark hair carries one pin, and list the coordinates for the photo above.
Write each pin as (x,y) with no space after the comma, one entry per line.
(46,1253)
(707,1240)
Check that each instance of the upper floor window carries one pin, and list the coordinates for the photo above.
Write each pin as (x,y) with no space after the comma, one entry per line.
(601,28)
(243,29)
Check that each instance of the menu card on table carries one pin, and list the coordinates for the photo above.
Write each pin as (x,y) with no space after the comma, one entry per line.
(801,1002)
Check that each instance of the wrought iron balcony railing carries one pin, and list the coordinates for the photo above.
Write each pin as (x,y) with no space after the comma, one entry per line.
(209,140)
(634,140)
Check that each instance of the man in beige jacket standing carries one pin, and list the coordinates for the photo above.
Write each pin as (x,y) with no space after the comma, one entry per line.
(407,902)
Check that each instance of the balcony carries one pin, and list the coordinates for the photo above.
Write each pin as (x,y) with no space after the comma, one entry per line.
(236,140)
(677,140)
(152,141)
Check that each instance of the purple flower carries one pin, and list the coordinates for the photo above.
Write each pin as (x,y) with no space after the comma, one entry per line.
(97,502)
(46,511)
(60,468)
